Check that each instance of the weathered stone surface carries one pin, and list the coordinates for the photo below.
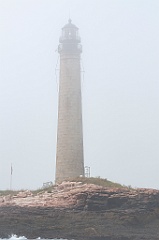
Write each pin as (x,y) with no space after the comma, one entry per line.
(69,154)
(77,211)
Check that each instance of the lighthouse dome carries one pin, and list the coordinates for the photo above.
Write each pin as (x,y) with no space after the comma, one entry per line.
(70,33)
(70,25)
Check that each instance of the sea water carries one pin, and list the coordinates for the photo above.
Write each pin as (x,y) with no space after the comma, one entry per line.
(15,237)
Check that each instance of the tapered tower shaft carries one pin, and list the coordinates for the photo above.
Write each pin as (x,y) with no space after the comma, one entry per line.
(69,156)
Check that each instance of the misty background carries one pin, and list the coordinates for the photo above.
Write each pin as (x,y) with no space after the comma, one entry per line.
(120,89)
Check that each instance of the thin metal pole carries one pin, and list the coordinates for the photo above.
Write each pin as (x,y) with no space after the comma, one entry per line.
(11,172)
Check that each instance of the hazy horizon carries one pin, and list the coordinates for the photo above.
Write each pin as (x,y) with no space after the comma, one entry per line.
(120,89)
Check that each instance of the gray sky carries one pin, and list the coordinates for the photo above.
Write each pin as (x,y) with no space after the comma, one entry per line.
(120,89)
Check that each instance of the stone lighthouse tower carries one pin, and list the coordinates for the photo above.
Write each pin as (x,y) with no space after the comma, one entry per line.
(69,156)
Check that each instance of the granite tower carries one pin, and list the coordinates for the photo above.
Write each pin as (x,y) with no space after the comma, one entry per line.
(69,155)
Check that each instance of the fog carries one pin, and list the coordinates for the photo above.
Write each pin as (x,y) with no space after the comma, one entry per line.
(120,89)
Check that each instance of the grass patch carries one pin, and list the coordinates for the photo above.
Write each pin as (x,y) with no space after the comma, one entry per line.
(97,181)
(8,192)
(92,180)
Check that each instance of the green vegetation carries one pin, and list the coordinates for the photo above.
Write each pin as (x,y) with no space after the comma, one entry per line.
(8,192)
(97,181)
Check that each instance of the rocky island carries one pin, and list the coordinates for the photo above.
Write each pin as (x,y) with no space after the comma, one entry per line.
(81,210)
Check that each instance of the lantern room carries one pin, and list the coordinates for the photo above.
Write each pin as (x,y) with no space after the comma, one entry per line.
(70,39)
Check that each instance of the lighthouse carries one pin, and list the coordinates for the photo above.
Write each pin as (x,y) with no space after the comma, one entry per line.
(69,153)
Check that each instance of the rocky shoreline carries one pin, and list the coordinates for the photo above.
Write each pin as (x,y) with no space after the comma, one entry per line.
(82,211)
